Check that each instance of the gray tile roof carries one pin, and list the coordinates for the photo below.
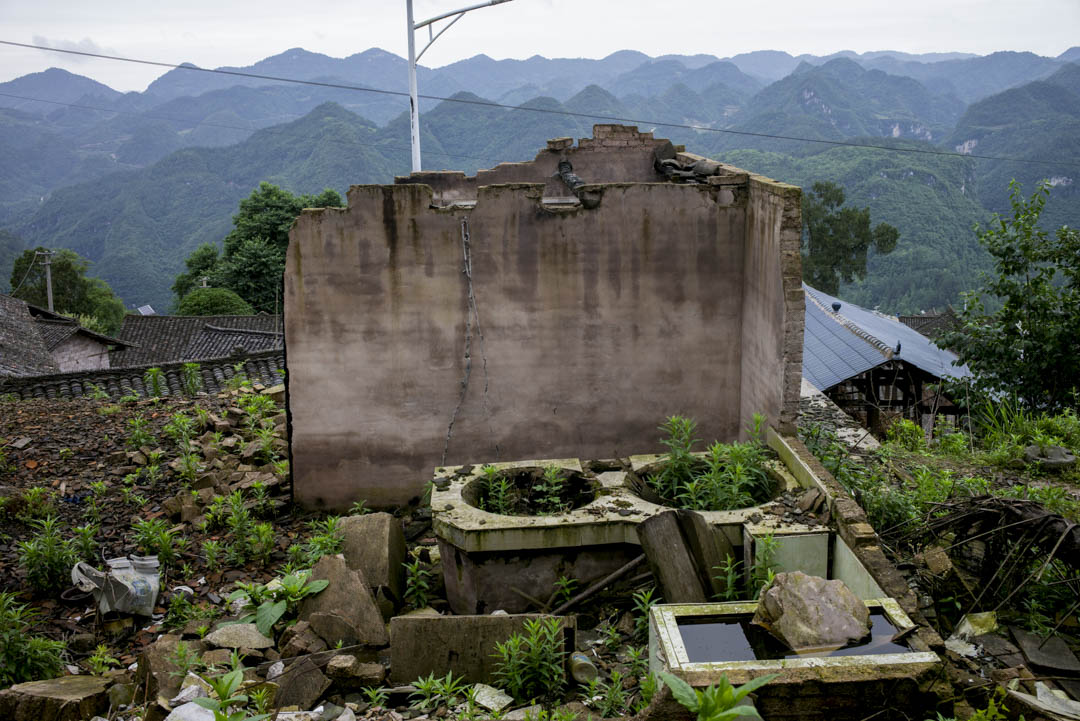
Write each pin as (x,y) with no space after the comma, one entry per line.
(173,338)
(259,368)
(23,351)
(839,345)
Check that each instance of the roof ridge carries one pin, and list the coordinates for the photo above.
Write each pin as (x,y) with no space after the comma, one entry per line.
(852,327)
(242,330)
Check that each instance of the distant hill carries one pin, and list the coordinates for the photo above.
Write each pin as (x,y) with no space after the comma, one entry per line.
(970,79)
(1036,121)
(838,100)
(929,198)
(54,84)
(138,226)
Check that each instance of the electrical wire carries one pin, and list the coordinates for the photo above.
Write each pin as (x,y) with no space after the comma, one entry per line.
(25,275)
(550,111)
(267,129)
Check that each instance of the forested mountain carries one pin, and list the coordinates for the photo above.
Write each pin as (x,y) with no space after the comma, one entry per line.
(135,181)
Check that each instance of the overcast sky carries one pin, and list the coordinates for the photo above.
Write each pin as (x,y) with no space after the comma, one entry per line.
(212,33)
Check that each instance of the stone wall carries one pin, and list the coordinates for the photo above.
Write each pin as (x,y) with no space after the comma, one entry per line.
(447,319)
(80,353)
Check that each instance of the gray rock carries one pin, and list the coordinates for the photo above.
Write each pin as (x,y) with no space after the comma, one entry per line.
(1053,458)
(238,635)
(276,669)
(808,612)
(348,668)
(300,640)
(491,698)
(520,714)
(301,685)
(190,712)
(345,610)
(155,673)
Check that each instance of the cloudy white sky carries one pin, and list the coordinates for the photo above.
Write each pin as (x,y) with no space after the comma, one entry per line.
(211,33)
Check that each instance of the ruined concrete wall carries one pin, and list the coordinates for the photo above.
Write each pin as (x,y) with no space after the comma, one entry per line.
(772,307)
(589,326)
(79,353)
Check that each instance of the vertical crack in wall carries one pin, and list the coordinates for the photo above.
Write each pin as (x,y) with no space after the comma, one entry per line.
(472,316)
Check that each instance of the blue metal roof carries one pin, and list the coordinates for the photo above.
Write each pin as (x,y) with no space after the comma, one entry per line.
(842,344)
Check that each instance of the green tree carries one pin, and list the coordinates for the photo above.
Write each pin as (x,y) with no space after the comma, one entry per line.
(213,301)
(200,264)
(836,239)
(74,293)
(253,256)
(1026,347)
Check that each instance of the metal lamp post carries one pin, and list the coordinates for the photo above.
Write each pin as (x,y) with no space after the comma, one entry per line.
(414,108)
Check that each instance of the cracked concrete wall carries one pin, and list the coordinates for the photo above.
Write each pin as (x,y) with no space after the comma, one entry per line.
(593,324)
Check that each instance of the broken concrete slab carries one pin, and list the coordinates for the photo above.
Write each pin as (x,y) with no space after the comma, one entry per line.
(682,549)
(190,712)
(1052,652)
(156,675)
(68,698)
(345,610)
(491,698)
(375,545)
(420,645)
(809,612)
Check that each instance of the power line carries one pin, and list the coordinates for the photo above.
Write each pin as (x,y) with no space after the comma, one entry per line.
(269,128)
(570,113)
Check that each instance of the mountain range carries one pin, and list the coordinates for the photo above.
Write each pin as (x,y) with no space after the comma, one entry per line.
(135,181)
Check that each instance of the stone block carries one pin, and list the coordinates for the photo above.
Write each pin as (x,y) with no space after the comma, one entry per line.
(420,645)
(375,545)
(68,698)
(300,685)
(155,676)
(345,610)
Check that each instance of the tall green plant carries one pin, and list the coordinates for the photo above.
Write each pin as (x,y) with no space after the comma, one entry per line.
(719,701)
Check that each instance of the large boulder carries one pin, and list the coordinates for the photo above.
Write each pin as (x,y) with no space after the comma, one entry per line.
(375,545)
(68,698)
(810,613)
(344,611)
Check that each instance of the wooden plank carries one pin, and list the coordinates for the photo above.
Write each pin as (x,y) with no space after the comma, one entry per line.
(671,559)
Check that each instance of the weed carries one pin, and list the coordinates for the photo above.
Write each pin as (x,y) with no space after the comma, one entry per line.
(763,569)
(648,685)
(190,468)
(191,378)
(639,660)
(261,698)
(497,490)
(564,589)
(100,661)
(154,382)
(417,587)
(85,540)
(530,665)
(261,504)
(718,701)
(180,428)
(48,556)
(24,656)
(108,410)
(185,659)
(229,705)
(155,538)
(139,432)
(376,696)
(281,468)
(424,695)
(359,508)
(239,378)
(550,489)
(99,488)
(730,575)
(65,453)
(37,503)
(613,701)
(95,392)
(267,604)
(643,601)
(129,398)
(326,540)
(263,543)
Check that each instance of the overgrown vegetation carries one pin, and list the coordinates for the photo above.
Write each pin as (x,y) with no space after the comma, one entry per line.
(726,477)
(531,491)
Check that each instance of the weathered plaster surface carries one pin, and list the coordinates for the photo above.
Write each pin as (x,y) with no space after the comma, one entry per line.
(574,333)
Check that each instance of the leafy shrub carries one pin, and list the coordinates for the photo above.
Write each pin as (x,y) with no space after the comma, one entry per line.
(718,701)
(907,435)
(154,381)
(213,301)
(530,665)
(191,378)
(25,657)
(139,434)
(417,588)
